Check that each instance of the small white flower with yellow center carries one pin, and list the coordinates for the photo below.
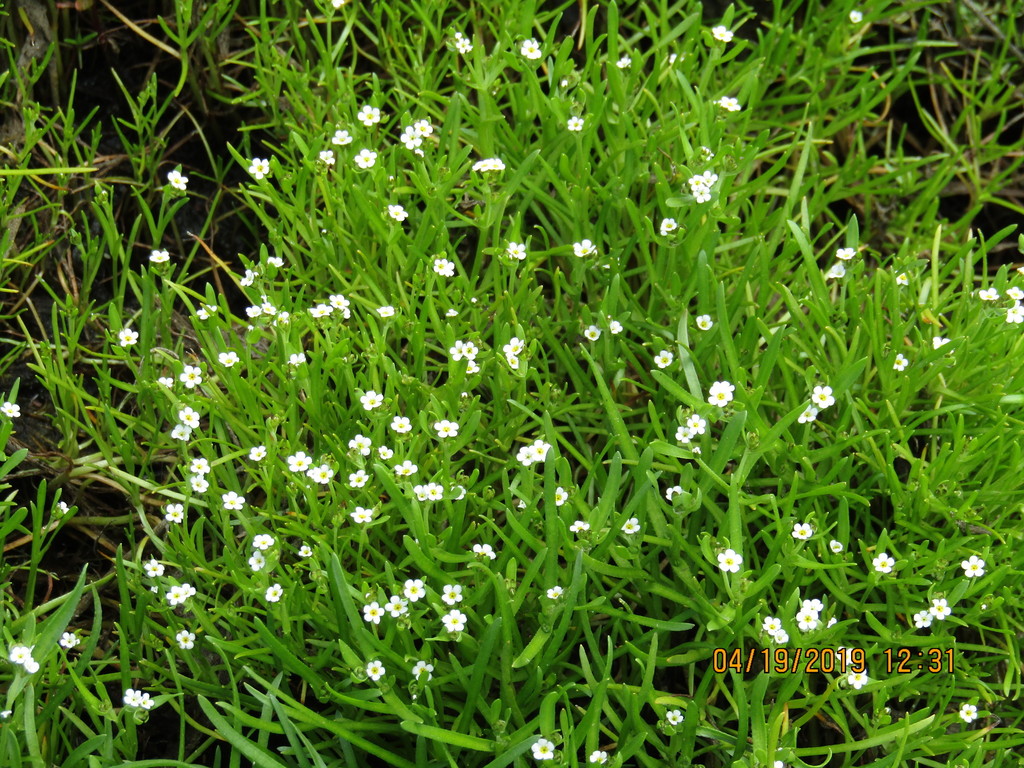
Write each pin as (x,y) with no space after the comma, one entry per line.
(368,116)
(720,393)
(584,248)
(973,567)
(940,609)
(176,180)
(375,670)
(371,400)
(575,124)
(704,322)
(883,563)
(857,680)
(730,561)
(366,158)
(543,750)
(259,168)
(722,34)
(822,397)
(454,621)
(802,531)
(900,363)
(663,359)
(274,593)
(729,104)
(631,526)
(531,49)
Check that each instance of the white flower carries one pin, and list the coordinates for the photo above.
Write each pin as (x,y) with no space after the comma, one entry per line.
(940,609)
(414,589)
(968,712)
(127,337)
(462,43)
(186,640)
(232,500)
(153,568)
(846,253)
(397,212)
(810,414)
(668,226)
(900,363)
(227,359)
(191,376)
(368,116)
(729,104)
(575,124)
(68,640)
(446,428)
(883,563)
(836,271)
(543,750)
(704,322)
(516,251)
(361,515)
(531,49)
(341,138)
(452,594)
(176,180)
(721,33)
(489,164)
(420,667)
(835,546)
(663,359)
(327,157)
(174,513)
(674,717)
(366,158)
(259,168)
(484,550)
(160,257)
(822,397)
(631,526)
(771,625)
(856,17)
(939,341)
(373,612)
(454,621)
(584,248)
(624,61)
(375,670)
(720,393)
(371,400)
(857,679)
(973,566)
(1014,314)
(802,531)
(730,561)
(262,541)
(274,593)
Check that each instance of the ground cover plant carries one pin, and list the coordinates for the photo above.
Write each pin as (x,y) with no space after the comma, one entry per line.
(435,384)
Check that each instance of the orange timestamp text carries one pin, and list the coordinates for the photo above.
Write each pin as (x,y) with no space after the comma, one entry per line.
(789,661)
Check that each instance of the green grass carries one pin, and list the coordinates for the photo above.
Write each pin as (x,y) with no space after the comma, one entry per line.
(623,636)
